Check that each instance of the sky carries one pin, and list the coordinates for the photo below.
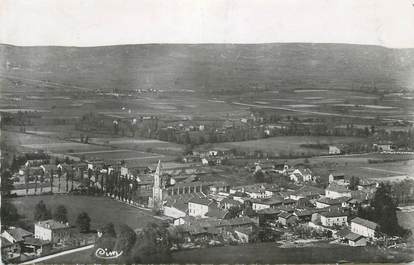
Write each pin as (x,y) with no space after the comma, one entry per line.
(387,23)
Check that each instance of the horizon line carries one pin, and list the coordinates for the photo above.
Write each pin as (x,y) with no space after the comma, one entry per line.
(202,43)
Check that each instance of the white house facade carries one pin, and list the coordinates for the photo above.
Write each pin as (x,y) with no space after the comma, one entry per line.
(363,227)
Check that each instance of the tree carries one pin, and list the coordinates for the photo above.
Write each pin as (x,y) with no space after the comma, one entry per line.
(26,180)
(68,173)
(234,212)
(9,214)
(106,241)
(60,214)
(259,176)
(83,222)
(89,177)
(36,180)
(384,211)
(59,171)
(353,183)
(108,230)
(51,180)
(125,240)
(42,179)
(15,164)
(152,245)
(6,183)
(41,212)
(176,235)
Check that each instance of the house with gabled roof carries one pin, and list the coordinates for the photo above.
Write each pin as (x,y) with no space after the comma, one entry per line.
(53,231)
(199,207)
(16,234)
(227,203)
(333,217)
(286,218)
(268,214)
(334,191)
(364,227)
(258,204)
(176,208)
(10,251)
(301,175)
(324,202)
(356,240)
(353,239)
(307,192)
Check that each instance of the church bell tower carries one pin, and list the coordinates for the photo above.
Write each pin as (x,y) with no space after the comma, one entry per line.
(157,188)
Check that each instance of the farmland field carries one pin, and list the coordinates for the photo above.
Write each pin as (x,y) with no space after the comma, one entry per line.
(280,145)
(139,151)
(101,209)
(141,144)
(64,147)
(358,165)
(30,142)
(117,155)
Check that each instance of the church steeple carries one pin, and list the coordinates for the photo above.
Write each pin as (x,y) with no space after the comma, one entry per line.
(157,189)
(158,170)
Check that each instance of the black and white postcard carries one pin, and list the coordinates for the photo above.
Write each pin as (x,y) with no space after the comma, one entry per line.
(207,131)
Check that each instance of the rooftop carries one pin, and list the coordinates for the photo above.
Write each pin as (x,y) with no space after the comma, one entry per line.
(270,201)
(285,215)
(202,201)
(364,222)
(309,191)
(336,174)
(5,243)
(333,213)
(18,233)
(35,241)
(337,188)
(52,224)
(352,236)
(230,201)
(216,212)
(337,201)
(212,222)
(269,211)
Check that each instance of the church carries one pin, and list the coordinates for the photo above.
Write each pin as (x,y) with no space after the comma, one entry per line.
(166,190)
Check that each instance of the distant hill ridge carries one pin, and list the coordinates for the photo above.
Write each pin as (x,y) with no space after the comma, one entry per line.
(214,67)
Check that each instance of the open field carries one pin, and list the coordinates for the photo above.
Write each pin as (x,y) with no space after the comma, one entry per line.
(332,102)
(344,103)
(406,220)
(107,149)
(18,139)
(266,253)
(101,209)
(116,155)
(270,253)
(65,147)
(284,145)
(31,142)
(141,144)
(358,165)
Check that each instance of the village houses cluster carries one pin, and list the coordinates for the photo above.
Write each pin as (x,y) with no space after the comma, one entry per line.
(208,212)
